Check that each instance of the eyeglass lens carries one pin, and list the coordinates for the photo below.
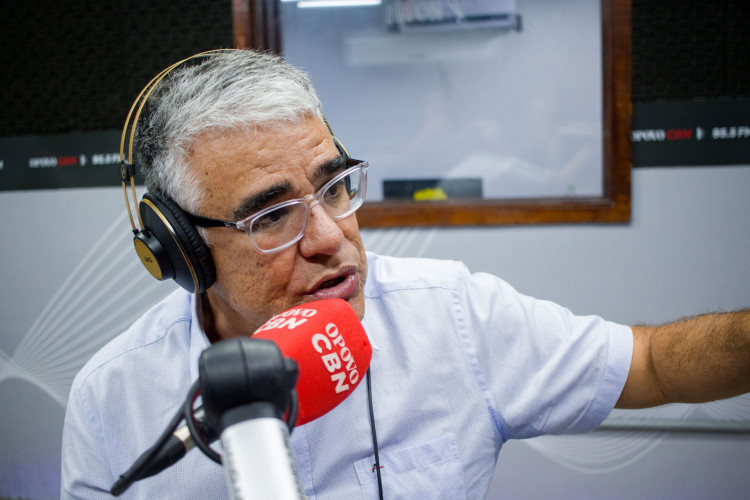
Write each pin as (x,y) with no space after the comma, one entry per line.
(286,223)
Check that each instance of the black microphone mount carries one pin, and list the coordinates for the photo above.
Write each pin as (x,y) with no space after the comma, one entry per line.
(248,390)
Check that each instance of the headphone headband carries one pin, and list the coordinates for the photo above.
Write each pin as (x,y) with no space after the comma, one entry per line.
(127,169)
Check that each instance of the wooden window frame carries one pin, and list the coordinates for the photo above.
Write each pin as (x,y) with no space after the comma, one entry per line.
(257,24)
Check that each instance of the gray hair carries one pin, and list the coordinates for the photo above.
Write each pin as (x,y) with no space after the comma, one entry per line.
(228,90)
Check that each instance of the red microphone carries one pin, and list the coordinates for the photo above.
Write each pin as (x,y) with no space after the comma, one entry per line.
(331,349)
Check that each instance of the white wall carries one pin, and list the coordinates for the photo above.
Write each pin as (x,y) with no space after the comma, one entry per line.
(71,282)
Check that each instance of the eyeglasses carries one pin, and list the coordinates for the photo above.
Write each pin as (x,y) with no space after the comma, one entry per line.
(282,225)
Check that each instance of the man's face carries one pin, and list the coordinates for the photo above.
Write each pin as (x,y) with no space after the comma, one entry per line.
(235,170)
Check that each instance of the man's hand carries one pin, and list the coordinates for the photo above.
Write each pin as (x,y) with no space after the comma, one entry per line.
(689,361)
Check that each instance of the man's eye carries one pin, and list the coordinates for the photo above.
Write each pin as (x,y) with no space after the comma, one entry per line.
(272,220)
(335,191)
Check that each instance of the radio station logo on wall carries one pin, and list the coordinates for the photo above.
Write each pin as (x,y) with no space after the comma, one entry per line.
(682,134)
(78,159)
(72,161)
(691,133)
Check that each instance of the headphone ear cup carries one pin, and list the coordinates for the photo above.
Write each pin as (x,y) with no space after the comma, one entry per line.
(153,255)
(177,249)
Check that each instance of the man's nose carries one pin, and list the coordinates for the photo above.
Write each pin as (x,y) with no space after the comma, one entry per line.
(323,236)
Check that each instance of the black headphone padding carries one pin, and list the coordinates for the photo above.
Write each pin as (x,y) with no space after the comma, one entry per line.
(189,256)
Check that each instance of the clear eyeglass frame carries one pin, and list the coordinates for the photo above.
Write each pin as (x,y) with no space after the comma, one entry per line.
(283,224)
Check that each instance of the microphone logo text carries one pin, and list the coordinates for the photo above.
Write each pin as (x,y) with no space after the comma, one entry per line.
(336,357)
(290,319)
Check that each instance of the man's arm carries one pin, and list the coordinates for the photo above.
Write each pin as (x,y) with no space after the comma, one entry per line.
(690,361)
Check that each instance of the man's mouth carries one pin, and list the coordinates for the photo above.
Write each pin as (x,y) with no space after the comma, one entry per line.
(342,286)
(331,283)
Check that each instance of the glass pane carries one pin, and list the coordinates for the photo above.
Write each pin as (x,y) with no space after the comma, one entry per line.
(460,99)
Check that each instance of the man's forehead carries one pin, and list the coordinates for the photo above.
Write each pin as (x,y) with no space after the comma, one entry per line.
(271,148)
(281,160)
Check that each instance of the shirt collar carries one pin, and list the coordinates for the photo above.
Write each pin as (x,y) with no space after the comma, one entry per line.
(367,331)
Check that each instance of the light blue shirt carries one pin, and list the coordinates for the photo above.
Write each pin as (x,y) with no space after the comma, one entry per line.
(461,363)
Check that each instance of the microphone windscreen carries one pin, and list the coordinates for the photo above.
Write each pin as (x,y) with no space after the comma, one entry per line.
(331,348)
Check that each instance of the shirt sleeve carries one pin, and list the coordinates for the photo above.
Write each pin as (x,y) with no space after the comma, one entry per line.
(85,470)
(545,370)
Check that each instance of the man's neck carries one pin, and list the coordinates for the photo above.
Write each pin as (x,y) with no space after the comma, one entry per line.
(208,325)
(220,324)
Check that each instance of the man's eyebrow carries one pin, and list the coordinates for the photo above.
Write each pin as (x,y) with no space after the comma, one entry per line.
(258,201)
(330,168)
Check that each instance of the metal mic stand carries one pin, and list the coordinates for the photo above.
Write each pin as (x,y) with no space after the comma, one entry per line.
(247,387)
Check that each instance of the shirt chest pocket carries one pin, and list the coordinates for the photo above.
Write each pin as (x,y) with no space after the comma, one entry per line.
(430,470)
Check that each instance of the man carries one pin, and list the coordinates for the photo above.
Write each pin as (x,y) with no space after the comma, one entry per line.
(461,363)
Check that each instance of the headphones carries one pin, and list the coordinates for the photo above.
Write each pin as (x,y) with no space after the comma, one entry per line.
(167,243)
